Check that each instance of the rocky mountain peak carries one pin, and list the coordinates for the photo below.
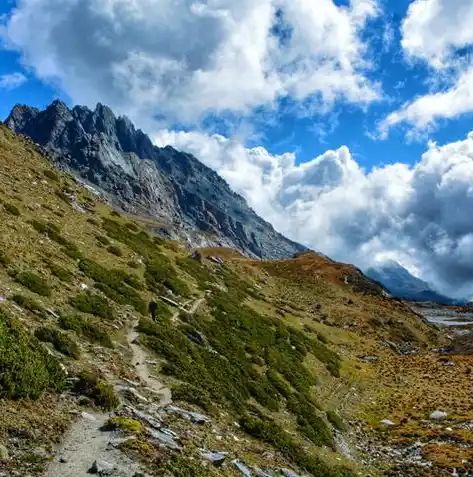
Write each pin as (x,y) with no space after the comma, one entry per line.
(138,177)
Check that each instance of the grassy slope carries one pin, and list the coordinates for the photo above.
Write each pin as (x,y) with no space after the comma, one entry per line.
(282,338)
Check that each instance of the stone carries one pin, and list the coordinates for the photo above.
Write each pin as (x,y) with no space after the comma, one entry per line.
(217,458)
(242,467)
(101,468)
(438,416)
(87,416)
(4,455)
(387,423)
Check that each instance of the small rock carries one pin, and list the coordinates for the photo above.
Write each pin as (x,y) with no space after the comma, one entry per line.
(62,460)
(101,467)
(4,453)
(217,458)
(87,416)
(387,423)
(438,415)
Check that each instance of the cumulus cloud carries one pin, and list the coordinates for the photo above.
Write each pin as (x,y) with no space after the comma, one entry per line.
(438,34)
(12,80)
(417,215)
(183,59)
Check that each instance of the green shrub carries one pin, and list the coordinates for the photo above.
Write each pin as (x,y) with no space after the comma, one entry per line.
(71,250)
(132,226)
(199,271)
(29,304)
(59,340)
(133,264)
(4,259)
(114,213)
(12,209)
(26,368)
(34,282)
(93,221)
(113,249)
(101,393)
(86,327)
(336,420)
(59,272)
(117,285)
(125,424)
(93,304)
(51,175)
(193,395)
(160,272)
(102,239)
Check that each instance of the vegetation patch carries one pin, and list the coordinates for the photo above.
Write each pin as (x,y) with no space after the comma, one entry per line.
(29,304)
(161,274)
(51,175)
(114,250)
(93,304)
(86,327)
(59,340)
(26,368)
(12,209)
(125,424)
(100,392)
(117,285)
(62,273)
(34,282)
(336,421)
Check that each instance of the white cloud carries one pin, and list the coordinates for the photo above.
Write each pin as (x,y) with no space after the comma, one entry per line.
(182,59)
(418,215)
(12,80)
(439,34)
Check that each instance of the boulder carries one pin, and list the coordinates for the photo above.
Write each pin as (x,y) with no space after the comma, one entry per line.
(101,468)
(438,416)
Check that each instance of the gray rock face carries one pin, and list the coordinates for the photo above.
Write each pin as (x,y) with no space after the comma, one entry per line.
(140,178)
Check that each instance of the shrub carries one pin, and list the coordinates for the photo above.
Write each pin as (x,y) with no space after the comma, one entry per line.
(93,304)
(101,393)
(102,239)
(117,285)
(26,368)
(114,213)
(125,424)
(12,209)
(59,340)
(51,175)
(336,420)
(4,259)
(193,395)
(86,327)
(93,221)
(113,249)
(160,272)
(59,272)
(29,304)
(34,282)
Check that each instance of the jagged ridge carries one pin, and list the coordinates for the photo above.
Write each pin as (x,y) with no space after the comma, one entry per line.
(143,179)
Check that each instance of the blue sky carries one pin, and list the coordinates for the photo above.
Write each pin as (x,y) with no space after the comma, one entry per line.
(309,136)
(345,123)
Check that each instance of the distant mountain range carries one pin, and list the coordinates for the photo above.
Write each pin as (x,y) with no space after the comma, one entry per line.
(402,284)
(173,187)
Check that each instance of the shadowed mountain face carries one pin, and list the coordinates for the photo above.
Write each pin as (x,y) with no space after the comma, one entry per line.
(140,178)
(402,284)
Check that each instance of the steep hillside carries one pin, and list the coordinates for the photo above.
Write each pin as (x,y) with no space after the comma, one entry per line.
(160,183)
(254,368)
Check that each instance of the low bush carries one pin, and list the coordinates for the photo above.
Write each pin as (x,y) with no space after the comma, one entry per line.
(102,239)
(160,273)
(125,424)
(93,304)
(114,250)
(103,395)
(193,395)
(59,340)
(59,272)
(51,175)
(336,421)
(86,327)
(29,304)
(26,368)
(33,282)
(12,209)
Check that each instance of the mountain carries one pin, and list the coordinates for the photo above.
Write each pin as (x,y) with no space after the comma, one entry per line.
(173,187)
(402,284)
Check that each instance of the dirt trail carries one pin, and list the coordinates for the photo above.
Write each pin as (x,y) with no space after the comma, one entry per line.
(85,443)
(139,359)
